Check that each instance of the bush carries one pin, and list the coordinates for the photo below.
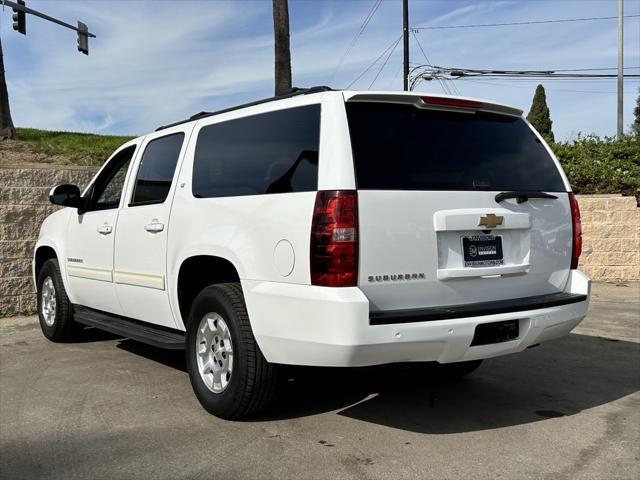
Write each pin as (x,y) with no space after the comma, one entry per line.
(596,165)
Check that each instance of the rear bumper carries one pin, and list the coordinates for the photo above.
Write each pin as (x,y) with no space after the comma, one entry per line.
(308,325)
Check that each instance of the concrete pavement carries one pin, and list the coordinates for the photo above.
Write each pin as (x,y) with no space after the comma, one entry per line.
(113,408)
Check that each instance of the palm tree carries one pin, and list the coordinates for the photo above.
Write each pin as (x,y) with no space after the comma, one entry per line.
(282,51)
(7,130)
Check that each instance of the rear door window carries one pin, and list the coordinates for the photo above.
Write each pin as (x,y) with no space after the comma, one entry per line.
(156,170)
(401,147)
(274,152)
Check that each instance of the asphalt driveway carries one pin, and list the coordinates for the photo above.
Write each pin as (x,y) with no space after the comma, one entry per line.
(112,408)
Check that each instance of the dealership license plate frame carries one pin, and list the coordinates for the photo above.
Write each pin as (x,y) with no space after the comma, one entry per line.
(482,250)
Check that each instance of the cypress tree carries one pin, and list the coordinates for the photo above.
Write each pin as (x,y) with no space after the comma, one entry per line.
(539,115)
(635,126)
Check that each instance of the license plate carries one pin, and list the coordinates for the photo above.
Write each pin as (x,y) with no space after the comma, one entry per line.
(482,250)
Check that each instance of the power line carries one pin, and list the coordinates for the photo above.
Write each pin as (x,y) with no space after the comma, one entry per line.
(435,70)
(393,44)
(532,22)
(383,65)
(548,75)
(365,23)
(484,82)
(454,87)
(442,85)
(590,69)
(395,76)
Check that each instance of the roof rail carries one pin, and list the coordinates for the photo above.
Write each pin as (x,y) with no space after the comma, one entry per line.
(294,92)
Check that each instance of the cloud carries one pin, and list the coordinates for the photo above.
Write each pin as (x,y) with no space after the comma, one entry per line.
(155,62)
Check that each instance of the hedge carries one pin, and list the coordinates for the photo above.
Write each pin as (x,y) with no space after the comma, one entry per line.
(596,165)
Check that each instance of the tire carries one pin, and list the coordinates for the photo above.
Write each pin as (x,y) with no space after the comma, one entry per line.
(54,308)
(455,371)
(219,324)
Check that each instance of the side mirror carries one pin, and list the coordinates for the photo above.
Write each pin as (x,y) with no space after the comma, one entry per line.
(67,196)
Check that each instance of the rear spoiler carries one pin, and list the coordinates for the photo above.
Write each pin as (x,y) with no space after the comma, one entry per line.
(433,102)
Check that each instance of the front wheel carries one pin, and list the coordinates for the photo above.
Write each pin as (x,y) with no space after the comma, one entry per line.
(54,308)
(228,373)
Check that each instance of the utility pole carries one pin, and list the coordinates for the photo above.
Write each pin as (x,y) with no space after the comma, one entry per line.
(281,48)
(405,43)
(620,124)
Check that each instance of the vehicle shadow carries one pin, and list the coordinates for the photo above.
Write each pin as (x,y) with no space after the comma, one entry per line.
(562,377)
(558,378)
(170,358)
(86,334)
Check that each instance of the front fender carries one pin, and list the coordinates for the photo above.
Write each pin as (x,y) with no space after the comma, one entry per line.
(52,235)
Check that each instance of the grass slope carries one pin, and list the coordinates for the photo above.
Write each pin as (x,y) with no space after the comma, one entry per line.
(71,147)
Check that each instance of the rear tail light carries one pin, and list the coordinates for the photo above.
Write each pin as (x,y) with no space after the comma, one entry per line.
(334,239)
(452,102)
(577,230)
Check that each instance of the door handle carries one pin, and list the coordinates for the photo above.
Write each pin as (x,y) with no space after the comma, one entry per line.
(154,227)
(105,229)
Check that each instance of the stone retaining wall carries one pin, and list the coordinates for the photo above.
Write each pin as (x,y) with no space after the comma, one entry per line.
(611,226)
(24,204)
(611,237)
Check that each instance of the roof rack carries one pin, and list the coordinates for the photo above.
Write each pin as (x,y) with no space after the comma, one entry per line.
(295,91)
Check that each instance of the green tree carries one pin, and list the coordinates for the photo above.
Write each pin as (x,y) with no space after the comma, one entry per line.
(635,126)
(539,115)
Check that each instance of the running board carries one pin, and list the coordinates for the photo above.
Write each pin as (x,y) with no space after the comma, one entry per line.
(161,337)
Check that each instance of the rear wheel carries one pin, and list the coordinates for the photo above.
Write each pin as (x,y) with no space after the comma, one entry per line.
(54,308)
(228,373)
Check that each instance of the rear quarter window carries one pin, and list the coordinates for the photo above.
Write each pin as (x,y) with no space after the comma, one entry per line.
(401,147)
(274,152)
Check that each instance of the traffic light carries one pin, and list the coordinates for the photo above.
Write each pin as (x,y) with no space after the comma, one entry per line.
(19,19)
(83,38)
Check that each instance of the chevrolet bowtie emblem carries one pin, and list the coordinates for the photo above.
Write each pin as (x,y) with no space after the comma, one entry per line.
(490,220)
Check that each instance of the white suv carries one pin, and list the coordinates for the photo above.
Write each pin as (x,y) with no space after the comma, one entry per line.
(327,228)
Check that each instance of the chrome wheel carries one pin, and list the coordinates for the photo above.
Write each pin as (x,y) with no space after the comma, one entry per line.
(48,302)
(215,352)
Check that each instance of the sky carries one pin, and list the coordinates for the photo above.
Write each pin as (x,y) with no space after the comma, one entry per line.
(159,61)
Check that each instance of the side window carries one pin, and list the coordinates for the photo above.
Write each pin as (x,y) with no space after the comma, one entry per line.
(107,189)
(156,170)
(274,152)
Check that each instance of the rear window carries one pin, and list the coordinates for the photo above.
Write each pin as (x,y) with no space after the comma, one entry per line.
(401,147)
(274,152)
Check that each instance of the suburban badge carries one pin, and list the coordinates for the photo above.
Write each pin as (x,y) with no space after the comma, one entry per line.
(396,277)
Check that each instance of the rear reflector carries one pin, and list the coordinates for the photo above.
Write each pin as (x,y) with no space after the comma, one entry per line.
(452,102)
(577,230)
(334,239)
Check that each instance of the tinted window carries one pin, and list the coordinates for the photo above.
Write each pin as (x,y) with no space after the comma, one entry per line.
(156,169)
(401,147)
(274,152)
(108,187)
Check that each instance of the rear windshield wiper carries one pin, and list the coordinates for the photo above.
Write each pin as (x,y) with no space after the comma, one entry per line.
(522,196)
